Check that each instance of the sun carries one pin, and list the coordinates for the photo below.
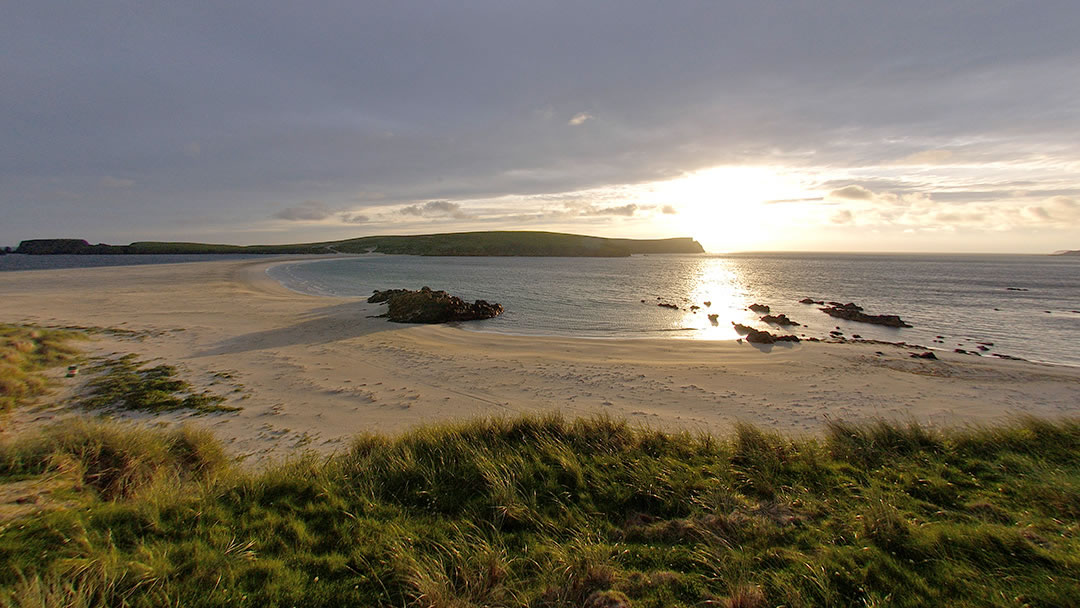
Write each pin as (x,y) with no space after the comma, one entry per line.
(735,207)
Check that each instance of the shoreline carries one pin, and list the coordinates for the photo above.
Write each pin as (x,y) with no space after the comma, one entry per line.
(312,371)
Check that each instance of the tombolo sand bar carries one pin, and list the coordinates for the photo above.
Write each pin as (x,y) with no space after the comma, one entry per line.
(311,371)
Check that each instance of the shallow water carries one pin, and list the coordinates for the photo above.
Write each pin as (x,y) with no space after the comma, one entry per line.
(961,297)
(51,262)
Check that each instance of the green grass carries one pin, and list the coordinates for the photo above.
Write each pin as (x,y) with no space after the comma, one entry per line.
(130,384)
(24,353)
(544,511)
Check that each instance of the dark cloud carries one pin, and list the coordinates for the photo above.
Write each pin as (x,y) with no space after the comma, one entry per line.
(307,211)
(211,111)
(354,218)
(435,209)
(853,193)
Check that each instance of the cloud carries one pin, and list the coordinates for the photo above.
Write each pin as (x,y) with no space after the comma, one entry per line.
(435,209)
(354,218)
(853,192)
(926,157)
(115,182)
(622,210)
(842,217)
(669,210)
(307,211)
(368,196)
(579,119)
(1057,210)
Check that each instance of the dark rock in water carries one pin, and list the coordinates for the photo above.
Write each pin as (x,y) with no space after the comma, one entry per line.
(757,336)
(836,333)
(1008,357)
(694,307)
(960,350)
(856,336)
(780,319)
(379,297)
(713,318)
(666,305)
(759,308)
(428,306)
(643,301)
(808,301)
(983,348)
(1016,289)
(709,303)
(853,312)
(926,355)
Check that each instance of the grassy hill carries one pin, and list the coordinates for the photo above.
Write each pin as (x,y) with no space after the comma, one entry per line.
(500,243)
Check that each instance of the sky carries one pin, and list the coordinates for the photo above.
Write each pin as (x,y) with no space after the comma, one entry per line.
(944,126)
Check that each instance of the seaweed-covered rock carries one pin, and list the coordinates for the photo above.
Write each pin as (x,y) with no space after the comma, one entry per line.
(384,296)
(429,306)
(759,308)
(757,336)
(853,312)
(780,319)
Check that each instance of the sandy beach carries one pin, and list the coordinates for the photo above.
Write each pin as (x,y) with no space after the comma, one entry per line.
(309,372)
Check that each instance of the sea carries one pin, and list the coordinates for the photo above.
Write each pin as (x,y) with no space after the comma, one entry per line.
(1025,306)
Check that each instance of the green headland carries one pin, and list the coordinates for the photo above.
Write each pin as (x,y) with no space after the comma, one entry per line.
(498,243)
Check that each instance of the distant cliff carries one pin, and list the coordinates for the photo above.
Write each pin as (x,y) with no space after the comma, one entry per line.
(1076,252)
(505,243)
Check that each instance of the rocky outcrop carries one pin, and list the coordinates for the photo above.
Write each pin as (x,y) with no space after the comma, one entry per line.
(757,336)
(854,312)
(759,308)
(780,319)
(429,306)
(384,296)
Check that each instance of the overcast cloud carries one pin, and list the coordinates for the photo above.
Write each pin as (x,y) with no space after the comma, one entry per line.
(280,121)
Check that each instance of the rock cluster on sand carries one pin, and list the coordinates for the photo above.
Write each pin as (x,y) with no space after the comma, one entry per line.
(854,312)
(428,306)
(780,319)
(757,336)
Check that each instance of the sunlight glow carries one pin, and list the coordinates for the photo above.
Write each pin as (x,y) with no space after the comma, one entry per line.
(735,208)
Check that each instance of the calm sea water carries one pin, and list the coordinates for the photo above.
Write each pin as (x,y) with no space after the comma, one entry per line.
(963,298)
(50,262)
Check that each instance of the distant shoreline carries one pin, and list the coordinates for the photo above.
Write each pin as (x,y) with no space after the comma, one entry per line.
(495,243)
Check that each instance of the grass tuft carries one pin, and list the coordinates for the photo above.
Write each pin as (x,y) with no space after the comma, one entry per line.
(115,461)
(127,383)
(546,511)
(24,353)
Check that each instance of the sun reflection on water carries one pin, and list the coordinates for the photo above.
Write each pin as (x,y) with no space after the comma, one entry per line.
(718,288)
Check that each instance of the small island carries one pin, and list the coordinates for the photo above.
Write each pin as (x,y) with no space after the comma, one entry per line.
(493,243)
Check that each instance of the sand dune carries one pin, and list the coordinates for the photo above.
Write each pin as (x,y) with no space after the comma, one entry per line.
(311,371)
